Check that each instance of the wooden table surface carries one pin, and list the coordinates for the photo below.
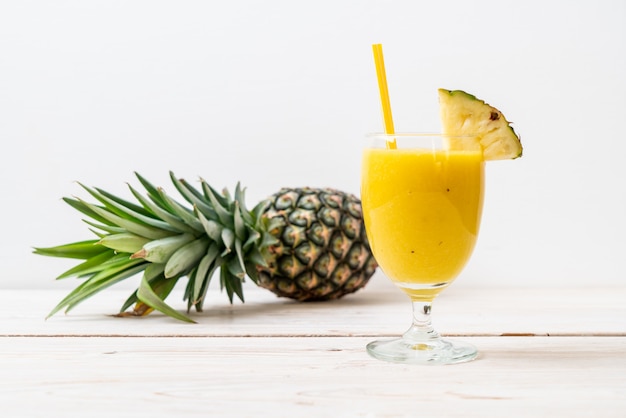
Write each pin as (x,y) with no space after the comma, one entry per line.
(543,353)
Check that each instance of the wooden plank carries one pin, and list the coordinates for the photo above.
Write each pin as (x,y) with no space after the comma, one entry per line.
(379,309)
(306,377)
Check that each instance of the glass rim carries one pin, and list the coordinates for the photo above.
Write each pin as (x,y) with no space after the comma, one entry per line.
(417,135)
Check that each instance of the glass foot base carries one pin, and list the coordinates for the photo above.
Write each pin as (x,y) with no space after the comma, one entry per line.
(438,351)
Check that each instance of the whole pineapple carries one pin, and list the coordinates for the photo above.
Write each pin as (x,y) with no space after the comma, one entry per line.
(301,243)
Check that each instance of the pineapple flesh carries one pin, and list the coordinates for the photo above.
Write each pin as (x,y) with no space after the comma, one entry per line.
(301,243)
(464,114)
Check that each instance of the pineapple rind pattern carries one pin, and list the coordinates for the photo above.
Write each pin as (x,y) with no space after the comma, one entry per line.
(333,260)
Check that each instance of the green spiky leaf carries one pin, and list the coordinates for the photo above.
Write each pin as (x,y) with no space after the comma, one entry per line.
(147,295)
(82,250)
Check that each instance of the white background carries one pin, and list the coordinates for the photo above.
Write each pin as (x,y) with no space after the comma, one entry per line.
(280,93)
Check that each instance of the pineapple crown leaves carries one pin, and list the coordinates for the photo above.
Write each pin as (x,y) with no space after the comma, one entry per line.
(166,240)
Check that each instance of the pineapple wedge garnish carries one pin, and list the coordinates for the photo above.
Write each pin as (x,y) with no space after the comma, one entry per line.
(464,114)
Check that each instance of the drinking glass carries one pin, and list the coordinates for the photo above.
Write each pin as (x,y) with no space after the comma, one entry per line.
(422,199)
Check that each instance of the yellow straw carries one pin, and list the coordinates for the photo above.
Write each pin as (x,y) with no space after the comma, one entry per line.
(384,92)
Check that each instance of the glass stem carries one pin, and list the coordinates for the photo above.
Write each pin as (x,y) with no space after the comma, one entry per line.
(421,329)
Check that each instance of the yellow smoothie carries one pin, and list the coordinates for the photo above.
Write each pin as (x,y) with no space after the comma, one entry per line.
(422,211)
